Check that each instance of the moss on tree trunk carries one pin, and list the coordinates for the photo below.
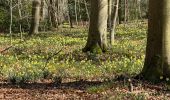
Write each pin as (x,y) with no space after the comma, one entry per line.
(97,36)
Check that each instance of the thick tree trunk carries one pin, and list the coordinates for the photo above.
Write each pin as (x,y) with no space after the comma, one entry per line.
(157,61)
(36,5)
(97,40)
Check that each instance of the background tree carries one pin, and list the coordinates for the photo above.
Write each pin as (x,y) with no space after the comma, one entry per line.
(114,16)
(97,39)
(36,5)
(63,13)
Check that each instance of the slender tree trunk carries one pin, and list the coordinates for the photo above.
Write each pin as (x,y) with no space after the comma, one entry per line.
(114,21)
(75,9)
(36,5)
(20,18)
(42,10)
(125,11)
(87,11)
(53,11)
(70,20)
(11,19)
(120,12)
(97,39)
(110,14)
(69,15)
(139,8)
(157,61)
(20,15)
(49,18)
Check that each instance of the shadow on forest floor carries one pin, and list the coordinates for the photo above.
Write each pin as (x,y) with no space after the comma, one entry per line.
(81,85)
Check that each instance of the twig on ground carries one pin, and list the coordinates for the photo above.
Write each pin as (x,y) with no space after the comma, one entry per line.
(6,49)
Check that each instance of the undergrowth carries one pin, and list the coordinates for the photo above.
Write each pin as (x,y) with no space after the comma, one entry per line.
(36,58)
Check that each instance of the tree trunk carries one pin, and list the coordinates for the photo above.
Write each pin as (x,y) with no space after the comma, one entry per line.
(36,5)
(20,15)
(110,6)
(97,39)
(114,16)
(69,14)
(126,11)
(157,61)
(53,11)
(42,10)
(11,20)
(75,10)
(20,18)
(139,9)
(120,12)
(87,11)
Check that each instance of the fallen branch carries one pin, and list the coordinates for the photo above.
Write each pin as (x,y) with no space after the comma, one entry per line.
(6,49)
(49,58)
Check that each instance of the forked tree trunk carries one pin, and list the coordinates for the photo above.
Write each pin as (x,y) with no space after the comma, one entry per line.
(157,61)
(36,5)
(97,40)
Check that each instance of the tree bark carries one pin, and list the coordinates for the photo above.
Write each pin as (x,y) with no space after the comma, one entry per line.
(157,60)
(42,10)
(69,14)
(110,6)
(97,39)
(75,10)
(120,13)
(53,13)
(87,11)
(114,16)
(126,11)
(36,5)
(11,20)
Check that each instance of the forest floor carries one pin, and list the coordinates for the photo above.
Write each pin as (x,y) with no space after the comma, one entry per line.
(51,66)
(83,90)
(45,91)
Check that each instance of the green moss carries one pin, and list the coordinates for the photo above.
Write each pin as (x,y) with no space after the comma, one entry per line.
(96,49)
